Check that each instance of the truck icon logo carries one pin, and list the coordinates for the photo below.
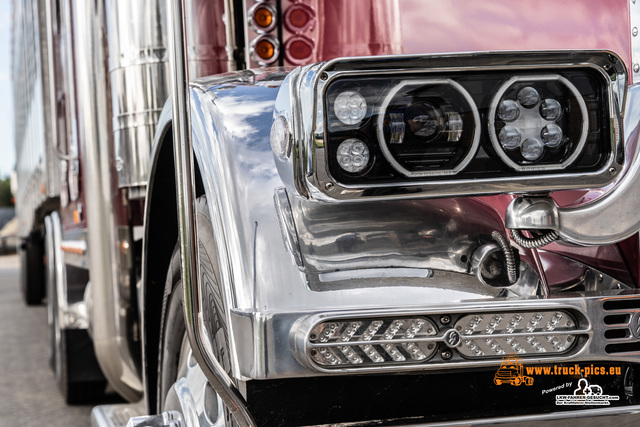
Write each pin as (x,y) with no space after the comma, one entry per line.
(511,371)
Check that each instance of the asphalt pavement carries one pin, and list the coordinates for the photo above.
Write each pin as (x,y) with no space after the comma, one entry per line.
(28,391)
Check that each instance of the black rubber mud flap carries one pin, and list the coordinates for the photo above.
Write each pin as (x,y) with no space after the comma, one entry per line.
(81,379)
(32,270)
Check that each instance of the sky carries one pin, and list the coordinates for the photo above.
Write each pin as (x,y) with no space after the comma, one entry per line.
(7,151)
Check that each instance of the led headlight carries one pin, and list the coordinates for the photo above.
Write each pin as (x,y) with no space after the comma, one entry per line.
(461,124)
(429,127)
(550,140)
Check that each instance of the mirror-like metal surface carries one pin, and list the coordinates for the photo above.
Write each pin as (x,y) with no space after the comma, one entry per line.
(268,292)
(188,239)
(139,82)
(110,317)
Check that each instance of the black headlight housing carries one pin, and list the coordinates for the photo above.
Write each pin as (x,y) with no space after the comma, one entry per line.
(465,124)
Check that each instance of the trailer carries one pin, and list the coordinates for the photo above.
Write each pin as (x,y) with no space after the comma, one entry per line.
(330,212)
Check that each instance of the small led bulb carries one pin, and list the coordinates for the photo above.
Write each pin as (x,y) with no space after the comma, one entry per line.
(551,135)
(350,107)
(528,97)
(550,109)
(532,149)
(353,155)
(508,110)
(510,137)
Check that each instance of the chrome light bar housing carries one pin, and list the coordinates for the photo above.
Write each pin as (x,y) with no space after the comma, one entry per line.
(307,103)
(428,340)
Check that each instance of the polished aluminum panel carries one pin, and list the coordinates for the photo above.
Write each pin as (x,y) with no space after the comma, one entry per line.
(269,294)
(188,243)
(138,77)
(110,325)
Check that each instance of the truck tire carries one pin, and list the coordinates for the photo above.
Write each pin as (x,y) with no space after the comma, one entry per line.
(32,275)
(173,329)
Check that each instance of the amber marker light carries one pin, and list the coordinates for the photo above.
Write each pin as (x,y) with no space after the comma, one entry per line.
(265,50)
(263,17)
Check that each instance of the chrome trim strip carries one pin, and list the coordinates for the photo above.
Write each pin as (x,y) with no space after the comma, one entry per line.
(185,187)
(634,20)
(287,225)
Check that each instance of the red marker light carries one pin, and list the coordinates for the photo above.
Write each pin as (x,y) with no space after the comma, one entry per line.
(299,50)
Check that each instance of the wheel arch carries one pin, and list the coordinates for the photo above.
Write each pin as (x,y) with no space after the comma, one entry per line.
(160,238)
(232,117)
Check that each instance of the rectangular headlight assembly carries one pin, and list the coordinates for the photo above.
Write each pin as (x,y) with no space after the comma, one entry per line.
(450,125)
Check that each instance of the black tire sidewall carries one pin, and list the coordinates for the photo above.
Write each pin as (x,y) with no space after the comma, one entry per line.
(173,328)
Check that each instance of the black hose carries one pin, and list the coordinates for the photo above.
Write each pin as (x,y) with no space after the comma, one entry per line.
(547,237)
(512,272)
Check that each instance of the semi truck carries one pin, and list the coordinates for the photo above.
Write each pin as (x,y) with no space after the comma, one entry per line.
(330,212)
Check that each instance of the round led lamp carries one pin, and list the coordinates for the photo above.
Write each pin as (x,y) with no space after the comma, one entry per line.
(353,155)
(531,123)
(422,125)
(350,107)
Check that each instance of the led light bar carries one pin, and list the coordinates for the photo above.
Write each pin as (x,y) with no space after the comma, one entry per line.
(372,342)
(498,334)
(362,343)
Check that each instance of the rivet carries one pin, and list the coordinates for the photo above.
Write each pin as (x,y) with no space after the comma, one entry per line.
(444,319)
(612,171)
(636,67)
(634,31)
(328,186)
(446,355)
(325,76)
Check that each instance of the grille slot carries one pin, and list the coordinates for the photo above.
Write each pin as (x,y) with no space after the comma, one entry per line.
(622,325)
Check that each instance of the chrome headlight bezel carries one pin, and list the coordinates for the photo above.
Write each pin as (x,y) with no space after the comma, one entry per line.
(302,102)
